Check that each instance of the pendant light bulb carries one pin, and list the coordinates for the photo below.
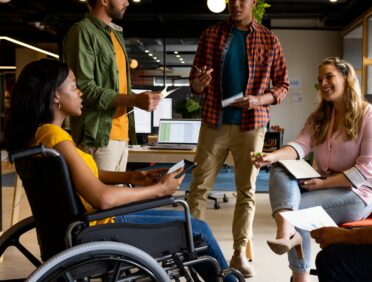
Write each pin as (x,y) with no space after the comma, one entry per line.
(216,6)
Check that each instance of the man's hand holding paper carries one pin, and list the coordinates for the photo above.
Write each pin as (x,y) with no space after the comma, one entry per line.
(145,100)
(248,102)
(232,100)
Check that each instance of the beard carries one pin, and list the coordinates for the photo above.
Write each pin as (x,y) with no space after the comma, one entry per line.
(114,12)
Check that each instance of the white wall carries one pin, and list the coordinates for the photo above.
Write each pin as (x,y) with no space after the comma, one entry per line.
(303,51)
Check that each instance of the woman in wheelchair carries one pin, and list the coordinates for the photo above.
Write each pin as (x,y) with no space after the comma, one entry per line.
(44,95)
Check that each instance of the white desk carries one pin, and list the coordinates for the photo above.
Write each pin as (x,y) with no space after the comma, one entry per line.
(146,155)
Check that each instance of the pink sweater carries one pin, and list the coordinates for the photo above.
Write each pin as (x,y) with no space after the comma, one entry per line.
(352,158)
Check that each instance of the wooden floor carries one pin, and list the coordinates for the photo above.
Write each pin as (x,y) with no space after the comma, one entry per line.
(269,267)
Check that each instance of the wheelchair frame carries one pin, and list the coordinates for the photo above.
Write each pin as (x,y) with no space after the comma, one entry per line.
(180,260)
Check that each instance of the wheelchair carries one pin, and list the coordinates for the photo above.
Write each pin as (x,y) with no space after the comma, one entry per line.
(73,250)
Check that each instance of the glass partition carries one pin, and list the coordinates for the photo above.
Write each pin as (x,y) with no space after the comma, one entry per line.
(369,39)
(369,59)
(357,49)
(159,62)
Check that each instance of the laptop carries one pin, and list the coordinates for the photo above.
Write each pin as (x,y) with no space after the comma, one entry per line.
(177,134)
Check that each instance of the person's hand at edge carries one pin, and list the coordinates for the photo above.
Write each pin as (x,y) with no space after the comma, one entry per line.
(326,236)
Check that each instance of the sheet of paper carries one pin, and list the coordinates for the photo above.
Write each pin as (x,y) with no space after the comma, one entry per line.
(232,99)
(164,93)
(309,219)
(176,166)
(139,91)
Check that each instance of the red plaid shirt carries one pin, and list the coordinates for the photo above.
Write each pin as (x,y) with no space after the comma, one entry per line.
(265,61)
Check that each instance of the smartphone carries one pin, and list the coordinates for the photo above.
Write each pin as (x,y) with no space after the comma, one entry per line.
(187,166)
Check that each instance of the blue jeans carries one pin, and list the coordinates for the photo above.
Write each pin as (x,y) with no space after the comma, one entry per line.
(341,204)
(341,262)
(198,228)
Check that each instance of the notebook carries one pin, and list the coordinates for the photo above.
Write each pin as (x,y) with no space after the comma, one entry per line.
(300,169)
(177,134)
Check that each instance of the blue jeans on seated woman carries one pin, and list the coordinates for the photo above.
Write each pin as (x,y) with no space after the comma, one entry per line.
(341,204)
(199,228)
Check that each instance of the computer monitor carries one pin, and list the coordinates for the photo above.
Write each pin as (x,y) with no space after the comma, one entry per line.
(142,121)
(181,131)
(163,111)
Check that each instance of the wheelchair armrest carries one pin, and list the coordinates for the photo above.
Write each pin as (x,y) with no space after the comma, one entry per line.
(144,205)
(130,208)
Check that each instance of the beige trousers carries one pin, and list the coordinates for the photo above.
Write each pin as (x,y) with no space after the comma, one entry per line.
(213,147)
(114,157)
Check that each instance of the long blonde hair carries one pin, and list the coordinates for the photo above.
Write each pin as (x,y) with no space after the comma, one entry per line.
(355,104)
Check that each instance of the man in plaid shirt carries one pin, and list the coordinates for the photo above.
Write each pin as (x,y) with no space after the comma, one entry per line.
(233,56)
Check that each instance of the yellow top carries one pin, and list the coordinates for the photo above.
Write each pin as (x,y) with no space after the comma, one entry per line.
(119,130)
(50,135)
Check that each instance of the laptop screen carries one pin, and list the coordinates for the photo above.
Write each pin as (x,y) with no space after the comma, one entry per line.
(179,131)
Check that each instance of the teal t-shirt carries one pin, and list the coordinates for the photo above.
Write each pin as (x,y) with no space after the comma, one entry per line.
(235,74)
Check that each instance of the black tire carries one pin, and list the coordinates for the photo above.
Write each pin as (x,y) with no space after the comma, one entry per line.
(100,260)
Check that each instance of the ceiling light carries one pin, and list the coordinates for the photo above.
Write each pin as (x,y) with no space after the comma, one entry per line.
(8,67)
(216,6)
(29,46)
(151,55)
(333,1)
(175,52)
(178,56)
(146,51)
(136,1)
(133,64)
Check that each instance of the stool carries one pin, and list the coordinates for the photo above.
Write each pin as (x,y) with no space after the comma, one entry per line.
(359,223)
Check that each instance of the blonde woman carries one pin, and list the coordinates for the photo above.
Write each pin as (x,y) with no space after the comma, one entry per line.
(339,133)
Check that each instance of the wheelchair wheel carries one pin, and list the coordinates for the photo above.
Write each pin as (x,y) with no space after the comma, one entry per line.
(100,261)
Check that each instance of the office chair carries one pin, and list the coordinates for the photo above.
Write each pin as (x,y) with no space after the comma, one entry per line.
(63,230)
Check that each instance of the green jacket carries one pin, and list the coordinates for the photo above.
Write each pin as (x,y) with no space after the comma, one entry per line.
(89,52)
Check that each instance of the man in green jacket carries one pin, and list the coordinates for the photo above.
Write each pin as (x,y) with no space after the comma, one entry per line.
(94,49)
